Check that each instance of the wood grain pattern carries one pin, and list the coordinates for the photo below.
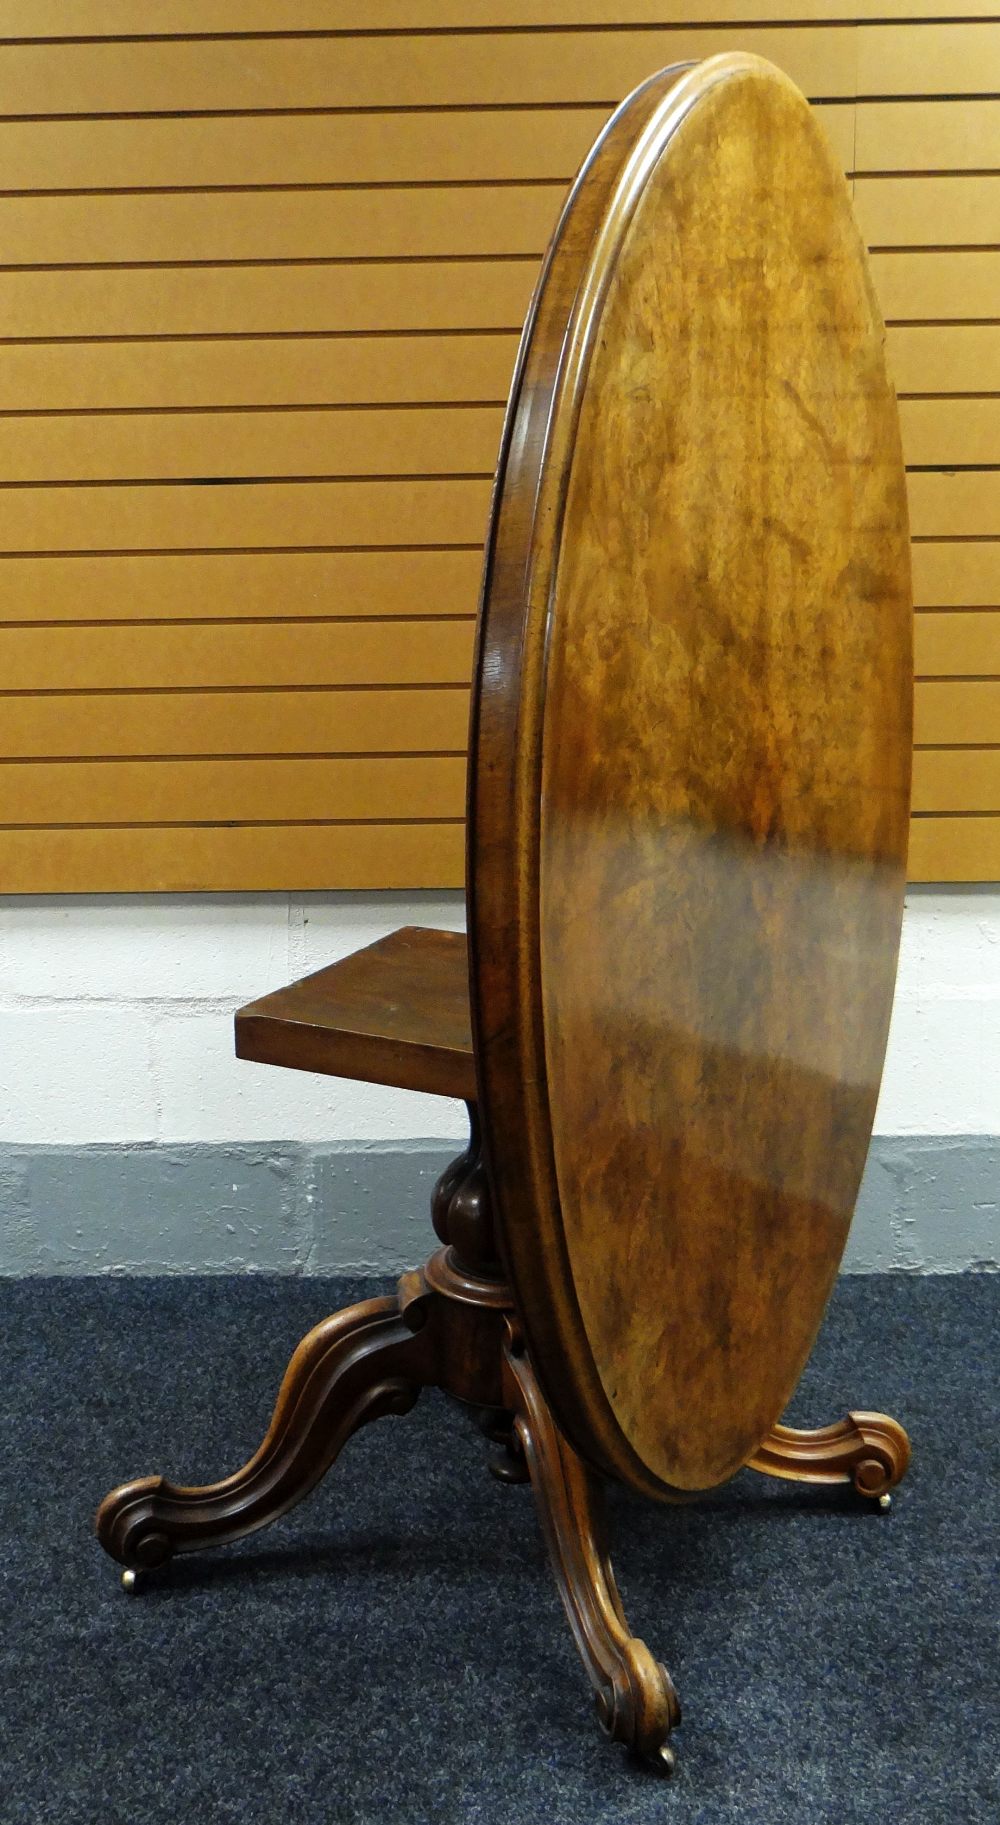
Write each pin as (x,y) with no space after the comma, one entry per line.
(396,1012)
(689,810)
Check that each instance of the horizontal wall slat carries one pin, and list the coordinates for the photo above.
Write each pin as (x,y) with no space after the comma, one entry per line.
(272,858)
(459,146)
(242,515)
(952,358)
(955,849)
(955,505)
(219,859)
(398,223)
(475,69)
(966,710)
(442,69)
(314,370)
(957,645)
(960,210)
(382,312)
(956,576)
(478,68)
(933,59)
(354,513)
(253,722)
(237,654)
(927,135)
(918,286)
(210,791)
(404,651)
(956,780)
(487,294)
(351,513)
(413,221)
(454,147)
(951,431)
(233,586)
(177,447)
(477,294)
(330,721)
(113,18)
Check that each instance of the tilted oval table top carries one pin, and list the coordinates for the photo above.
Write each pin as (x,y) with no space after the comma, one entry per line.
(690,774)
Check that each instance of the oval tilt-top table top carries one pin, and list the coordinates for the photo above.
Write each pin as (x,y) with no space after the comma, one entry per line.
(690,774)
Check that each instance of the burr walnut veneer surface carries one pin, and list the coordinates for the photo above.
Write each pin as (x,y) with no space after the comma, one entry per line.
(690,774)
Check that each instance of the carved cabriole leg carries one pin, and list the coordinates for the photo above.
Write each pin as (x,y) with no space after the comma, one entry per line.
(452,1326)
(636,1701)
(371,1359)
(869,1450)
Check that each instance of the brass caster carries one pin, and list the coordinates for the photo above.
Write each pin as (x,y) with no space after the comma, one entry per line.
(885,1502)
(130,1581)
(664,1761)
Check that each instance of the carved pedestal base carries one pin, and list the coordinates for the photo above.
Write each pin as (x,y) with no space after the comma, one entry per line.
(453,1326)
(445,1328)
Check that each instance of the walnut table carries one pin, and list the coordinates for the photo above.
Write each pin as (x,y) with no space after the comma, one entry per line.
(688,806)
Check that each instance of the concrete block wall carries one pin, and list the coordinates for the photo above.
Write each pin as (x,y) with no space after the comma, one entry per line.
(132,1139)
(117,1018)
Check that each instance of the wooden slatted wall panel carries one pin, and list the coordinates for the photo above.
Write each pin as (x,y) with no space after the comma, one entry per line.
(263,274)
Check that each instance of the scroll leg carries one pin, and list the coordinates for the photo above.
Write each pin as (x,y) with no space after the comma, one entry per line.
(636,1701)
(869,1450)
(367,1360)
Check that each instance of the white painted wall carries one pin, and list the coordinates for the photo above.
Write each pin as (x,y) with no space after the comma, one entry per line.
(116,1018)
(942,1068)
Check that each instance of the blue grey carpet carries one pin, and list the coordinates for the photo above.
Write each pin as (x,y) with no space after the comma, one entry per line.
(394,1650)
